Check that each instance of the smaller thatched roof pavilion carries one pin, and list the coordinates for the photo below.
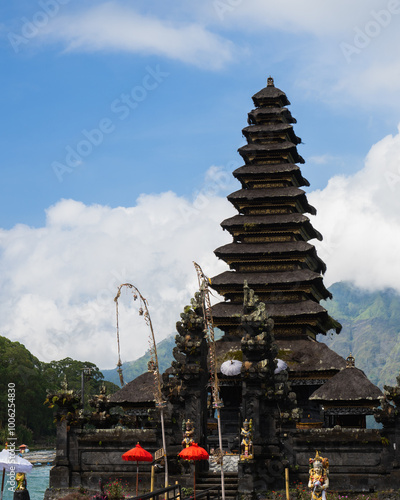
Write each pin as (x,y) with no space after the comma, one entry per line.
(348,397)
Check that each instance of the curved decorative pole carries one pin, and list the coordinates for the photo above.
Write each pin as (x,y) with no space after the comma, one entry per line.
(209,333)
(153,366)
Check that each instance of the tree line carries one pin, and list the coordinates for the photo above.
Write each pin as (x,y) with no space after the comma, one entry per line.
(30,380)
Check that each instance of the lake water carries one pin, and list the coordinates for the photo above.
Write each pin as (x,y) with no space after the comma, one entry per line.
(37,483)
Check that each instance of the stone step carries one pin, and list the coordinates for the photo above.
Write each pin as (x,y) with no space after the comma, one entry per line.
(216,482)
(227,475)
(210,484)
(205,486)
(229,493)
(212,480)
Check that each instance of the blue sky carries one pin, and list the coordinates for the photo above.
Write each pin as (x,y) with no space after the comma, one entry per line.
(96,191)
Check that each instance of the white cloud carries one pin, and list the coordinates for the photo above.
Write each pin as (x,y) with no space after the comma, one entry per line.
(343,50)
(59,281)
(308,16)
(359,217)
(113,27)
(322,159)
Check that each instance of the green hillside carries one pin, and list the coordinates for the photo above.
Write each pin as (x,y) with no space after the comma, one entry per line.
(132,369)
(24,383)
(371,330)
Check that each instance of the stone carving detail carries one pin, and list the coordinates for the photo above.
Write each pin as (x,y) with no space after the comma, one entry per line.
(255,315)
(66,403)
(318,477)
(246,445)
(259,358)
(185,383)
(188,433)
(388,413)
(189,350)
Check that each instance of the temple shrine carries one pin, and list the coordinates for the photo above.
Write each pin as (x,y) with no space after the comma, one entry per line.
(290,395)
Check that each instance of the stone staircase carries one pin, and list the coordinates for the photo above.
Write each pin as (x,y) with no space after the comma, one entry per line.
(212,480)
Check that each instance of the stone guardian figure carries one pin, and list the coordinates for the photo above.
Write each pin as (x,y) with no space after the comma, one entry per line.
(246,445)
(318,477)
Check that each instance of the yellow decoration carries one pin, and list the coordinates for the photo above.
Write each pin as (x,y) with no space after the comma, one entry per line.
(21,481)
(246,445)
(318,477)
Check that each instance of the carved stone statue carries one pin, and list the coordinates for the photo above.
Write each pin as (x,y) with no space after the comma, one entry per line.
(246,445)
(188,432)
(21,492)
(318,477)
(21,481)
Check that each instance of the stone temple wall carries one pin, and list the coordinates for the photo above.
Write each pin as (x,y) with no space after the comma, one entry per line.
(84,457)
(360,459)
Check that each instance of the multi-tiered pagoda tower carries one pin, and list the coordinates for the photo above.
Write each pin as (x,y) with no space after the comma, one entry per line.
(271,313)
(271,250)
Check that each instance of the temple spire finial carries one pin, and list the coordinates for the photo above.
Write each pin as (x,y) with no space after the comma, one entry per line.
(350,361)
(270,82)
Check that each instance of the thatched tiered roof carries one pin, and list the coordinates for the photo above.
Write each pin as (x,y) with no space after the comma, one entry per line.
(137,392)
(350,385)
(270,248)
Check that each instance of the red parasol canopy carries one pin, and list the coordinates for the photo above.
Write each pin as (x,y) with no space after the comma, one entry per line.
(194,452)
(137,454)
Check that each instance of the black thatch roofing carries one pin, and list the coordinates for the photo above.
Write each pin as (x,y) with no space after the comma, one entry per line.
(274,195)
(265,193)
(265,220)
(268,94)
(264,248)
(290,278)
(257,149)
(268,168)
(350,384)
(270,171)
(269,127)
(268,250)
(223,347)
(281,312)
(261,222)
(270,130)
(303,355)
(271,146)
(140,390)
(259,115)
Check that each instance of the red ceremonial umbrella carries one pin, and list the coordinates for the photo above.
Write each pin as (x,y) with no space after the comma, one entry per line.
(194,452)
(137,454)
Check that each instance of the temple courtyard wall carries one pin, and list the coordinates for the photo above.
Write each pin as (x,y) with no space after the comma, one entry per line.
(360,460)
(86,457)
